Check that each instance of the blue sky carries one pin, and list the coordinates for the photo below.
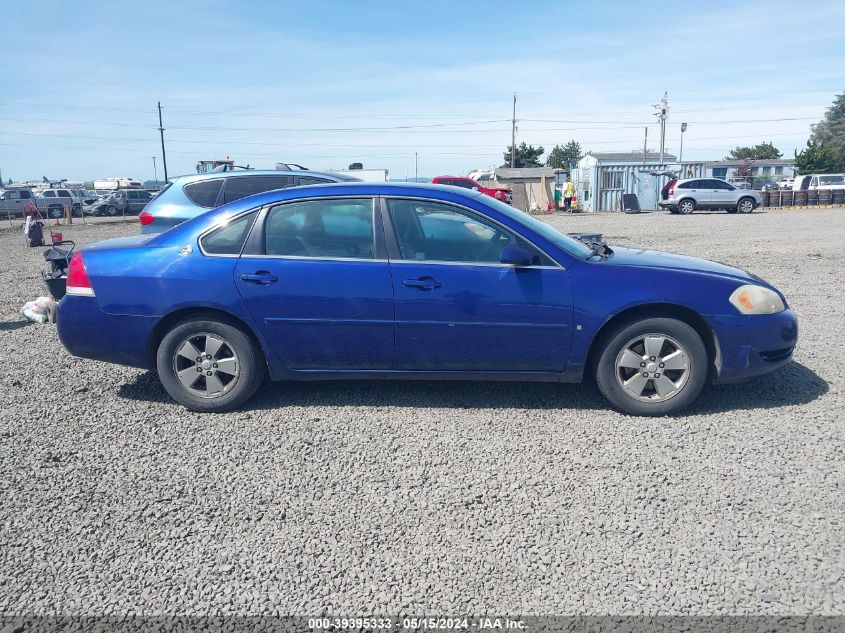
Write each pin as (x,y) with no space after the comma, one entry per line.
(328,83)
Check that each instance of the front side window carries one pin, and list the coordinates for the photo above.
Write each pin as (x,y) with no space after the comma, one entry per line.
(49,194)
(24,193)
(133,195)
(204,193)
(241,187)
(336,229)
(11,195)
(431,231)
(229,239)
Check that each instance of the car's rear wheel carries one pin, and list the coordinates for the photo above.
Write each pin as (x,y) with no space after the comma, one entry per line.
(208,364)
(746,205)
(686,206)
(55,213)
(111,210)
(656,366)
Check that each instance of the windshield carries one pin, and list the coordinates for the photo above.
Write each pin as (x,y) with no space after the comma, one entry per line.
(572,246)
(833,179)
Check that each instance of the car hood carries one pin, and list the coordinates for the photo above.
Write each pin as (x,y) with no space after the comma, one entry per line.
(656,259)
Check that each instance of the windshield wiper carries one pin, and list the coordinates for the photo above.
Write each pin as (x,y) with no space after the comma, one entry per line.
(600,250)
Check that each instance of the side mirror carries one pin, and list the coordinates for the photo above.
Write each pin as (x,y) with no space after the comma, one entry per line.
(516,256)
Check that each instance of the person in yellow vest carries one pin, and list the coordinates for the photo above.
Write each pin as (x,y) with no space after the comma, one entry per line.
(568,194)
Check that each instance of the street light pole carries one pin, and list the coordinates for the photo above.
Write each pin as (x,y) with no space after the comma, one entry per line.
(681,157)
(513,133)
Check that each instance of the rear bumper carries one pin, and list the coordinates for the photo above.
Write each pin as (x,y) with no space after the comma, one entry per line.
(88,332)
(751,346)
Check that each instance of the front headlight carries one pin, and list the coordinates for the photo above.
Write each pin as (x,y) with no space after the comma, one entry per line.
(751,299)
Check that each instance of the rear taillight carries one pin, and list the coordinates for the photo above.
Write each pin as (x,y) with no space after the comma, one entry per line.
(78,282)
(146,218)
(671,190)
(500,195)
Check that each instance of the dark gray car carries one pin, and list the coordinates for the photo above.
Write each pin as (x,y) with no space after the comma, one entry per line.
(189,196)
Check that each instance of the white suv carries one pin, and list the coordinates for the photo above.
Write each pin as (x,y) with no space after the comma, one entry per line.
(687,195)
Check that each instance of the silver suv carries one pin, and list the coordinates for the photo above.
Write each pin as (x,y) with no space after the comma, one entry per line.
(687,195)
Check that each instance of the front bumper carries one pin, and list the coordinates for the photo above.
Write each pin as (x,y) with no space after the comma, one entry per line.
(753,345)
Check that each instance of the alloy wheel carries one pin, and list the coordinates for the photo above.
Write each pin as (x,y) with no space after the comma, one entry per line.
(206,365)
(746,206)
(652,368)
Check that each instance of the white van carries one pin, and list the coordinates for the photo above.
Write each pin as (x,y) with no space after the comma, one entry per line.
(815,182)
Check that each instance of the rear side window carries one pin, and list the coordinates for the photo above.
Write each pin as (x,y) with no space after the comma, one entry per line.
(466,184)
(229,239)
(204,193)
(237,188)
(337,228)
(25,194)
(64,194)
(133,195)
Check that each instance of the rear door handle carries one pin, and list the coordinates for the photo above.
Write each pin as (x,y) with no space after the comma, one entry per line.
(423,283)
(261,277)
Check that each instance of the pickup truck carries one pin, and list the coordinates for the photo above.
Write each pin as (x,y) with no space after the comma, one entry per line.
(500,193)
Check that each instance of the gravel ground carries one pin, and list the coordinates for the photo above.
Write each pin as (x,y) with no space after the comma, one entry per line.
(429,497)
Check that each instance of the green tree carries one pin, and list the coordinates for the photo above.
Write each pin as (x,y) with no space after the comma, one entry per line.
(761,151)
(816,158)
(526,156)
(565,156)
(829,134)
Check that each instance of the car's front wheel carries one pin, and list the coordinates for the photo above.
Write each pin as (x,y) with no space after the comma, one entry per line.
(208,364)
(746,205)
(656,366)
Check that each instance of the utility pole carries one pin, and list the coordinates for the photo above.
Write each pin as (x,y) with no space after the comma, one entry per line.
(681,153)
(155,171)
(161,132)
(513,133)
(645,146)
(662,108)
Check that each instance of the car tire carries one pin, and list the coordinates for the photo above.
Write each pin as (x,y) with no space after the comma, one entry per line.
(625,368)
(746,205)
(686,206)
(111,211)
(55,213)
(215,342)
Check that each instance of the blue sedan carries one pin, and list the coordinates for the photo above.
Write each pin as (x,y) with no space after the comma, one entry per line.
(366,280)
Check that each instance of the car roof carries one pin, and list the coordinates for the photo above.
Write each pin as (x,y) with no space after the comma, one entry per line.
(257,172)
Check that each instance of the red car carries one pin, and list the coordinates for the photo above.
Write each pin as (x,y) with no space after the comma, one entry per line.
(500,193)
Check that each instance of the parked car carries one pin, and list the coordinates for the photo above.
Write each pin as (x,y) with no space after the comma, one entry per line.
(13,201)
(688,194)
(52,202)
(504,194)
(364,280)
(815,182)
(786,183)
(189,196)
(111,204)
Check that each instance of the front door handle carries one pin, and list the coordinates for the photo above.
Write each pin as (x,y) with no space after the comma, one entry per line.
(261,277)
(423,283)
